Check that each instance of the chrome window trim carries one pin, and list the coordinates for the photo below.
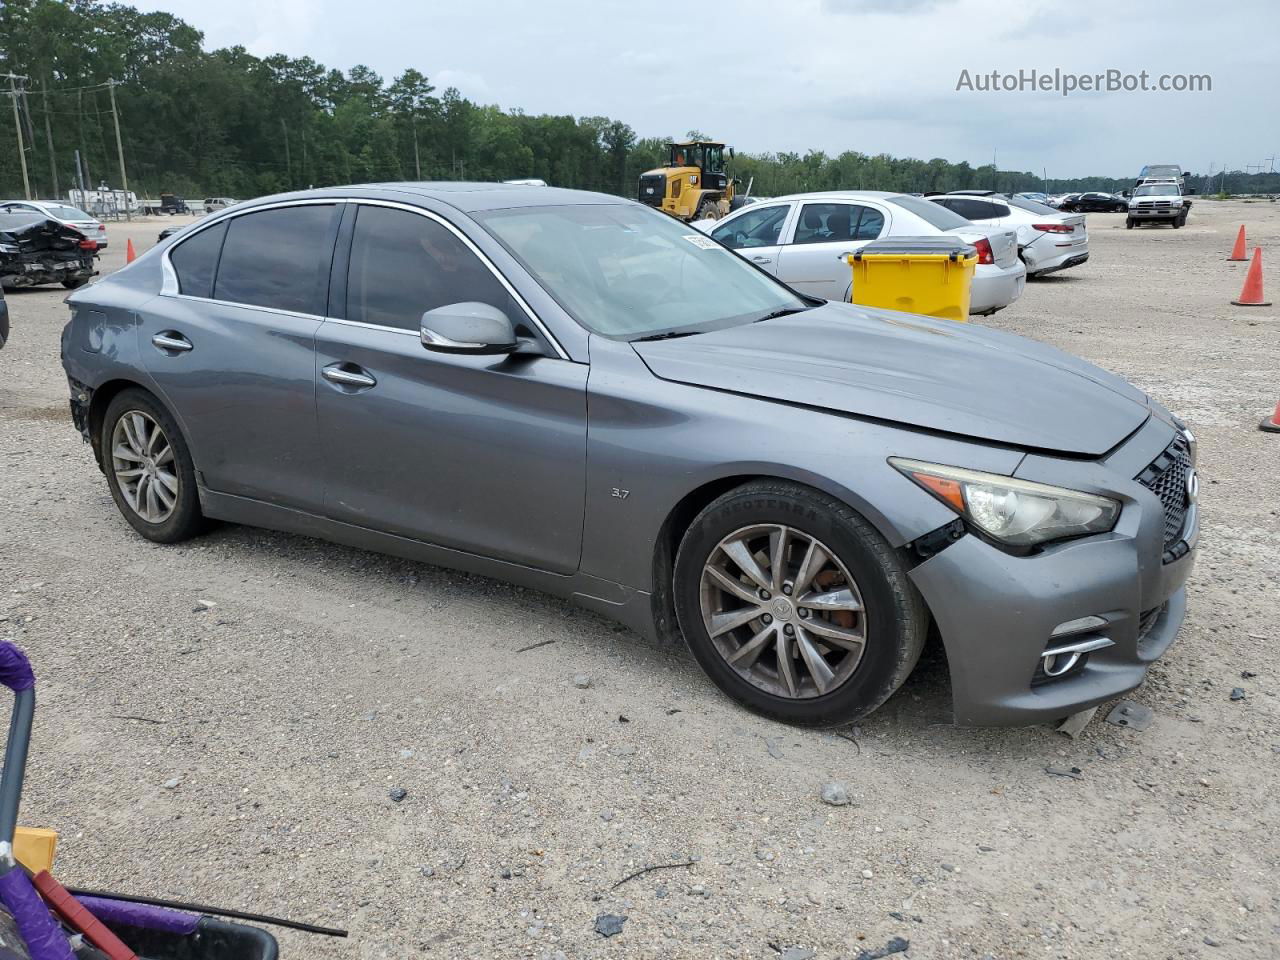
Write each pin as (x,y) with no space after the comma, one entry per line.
(169,283)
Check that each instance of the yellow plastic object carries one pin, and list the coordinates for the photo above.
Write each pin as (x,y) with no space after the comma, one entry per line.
(33,847)
(933,284)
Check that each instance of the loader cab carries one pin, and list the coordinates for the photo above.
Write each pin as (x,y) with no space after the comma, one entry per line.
(693,185)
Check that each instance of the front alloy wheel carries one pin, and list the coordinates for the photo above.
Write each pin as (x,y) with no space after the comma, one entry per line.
(795,605)
(783,611)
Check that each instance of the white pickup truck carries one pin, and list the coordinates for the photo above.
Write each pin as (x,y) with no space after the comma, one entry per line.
(1158,202)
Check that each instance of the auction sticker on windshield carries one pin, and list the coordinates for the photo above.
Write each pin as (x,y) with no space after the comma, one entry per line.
(703,243)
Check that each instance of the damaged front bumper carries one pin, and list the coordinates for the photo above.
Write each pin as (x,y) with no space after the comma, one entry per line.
(1037,637)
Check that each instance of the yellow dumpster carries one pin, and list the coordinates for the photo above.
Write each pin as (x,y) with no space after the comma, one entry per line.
(928,275)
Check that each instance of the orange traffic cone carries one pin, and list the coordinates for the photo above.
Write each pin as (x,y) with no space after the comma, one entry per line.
(1272,425)
(1251,294)
(1237,252)
(130,254)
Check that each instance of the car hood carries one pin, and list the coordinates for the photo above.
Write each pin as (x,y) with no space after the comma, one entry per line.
(961,379)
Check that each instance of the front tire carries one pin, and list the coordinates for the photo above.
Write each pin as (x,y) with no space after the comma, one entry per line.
(795,606)
(76,283)
(1128,223)
(149,468)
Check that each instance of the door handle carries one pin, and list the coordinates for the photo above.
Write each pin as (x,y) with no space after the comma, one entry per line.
(762,260)
(345,376)
(170,341)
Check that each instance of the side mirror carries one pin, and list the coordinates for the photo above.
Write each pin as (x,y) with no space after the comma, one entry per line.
(468,327)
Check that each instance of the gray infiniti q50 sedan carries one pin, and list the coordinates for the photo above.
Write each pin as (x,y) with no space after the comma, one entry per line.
(580,394)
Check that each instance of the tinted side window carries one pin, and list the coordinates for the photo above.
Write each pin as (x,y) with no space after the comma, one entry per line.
(277,259)
(196,260)
(970,209)
(755,228)
(826,222)
(997,210)
(403,265)
(870,225)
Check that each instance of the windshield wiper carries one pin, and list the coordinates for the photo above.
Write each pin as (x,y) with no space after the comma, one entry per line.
(669,335)
(781,313)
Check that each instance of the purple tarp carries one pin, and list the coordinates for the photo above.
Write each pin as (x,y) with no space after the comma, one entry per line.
(15,668)
(140,915)
(44,937)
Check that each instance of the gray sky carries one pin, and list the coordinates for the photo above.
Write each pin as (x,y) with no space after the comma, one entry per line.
(869,75)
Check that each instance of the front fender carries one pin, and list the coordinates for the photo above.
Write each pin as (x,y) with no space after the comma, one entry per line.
(653,443)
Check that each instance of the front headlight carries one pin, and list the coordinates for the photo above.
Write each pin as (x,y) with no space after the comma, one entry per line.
(1017,512)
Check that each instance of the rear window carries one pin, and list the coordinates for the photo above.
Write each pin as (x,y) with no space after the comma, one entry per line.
(277,259)
(67,213)
(196,260)
(930,212)
(1031,206)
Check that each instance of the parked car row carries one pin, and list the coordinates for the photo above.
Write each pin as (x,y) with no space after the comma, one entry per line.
(581,394)
(803,240)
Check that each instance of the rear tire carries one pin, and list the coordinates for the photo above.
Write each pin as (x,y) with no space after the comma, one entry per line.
(819,673)
(149,468)
(708,209)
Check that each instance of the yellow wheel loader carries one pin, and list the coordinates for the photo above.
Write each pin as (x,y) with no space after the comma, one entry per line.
(693,185)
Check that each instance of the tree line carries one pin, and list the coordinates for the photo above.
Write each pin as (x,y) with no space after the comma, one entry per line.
(224,122)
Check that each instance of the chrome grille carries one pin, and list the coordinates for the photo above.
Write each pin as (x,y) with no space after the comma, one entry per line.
(1166,477)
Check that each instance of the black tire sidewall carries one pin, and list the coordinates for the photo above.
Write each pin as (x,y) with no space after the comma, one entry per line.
(186,520)
(891,640)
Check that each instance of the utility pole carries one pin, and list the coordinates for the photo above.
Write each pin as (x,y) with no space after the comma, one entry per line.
(124,179)
(288,164)
(48,138)
(17,128)
(417,164)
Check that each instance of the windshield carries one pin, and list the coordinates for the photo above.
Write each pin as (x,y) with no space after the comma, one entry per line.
(1160,170)
(1031,206)
(1157,190)
(931,213)
(625,271)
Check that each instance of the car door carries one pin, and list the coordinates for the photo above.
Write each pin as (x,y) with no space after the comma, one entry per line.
(485,454)
(756,233)
(823,234)
(230,345)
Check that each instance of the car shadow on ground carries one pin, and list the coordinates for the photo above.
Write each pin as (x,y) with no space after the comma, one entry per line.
(919,714)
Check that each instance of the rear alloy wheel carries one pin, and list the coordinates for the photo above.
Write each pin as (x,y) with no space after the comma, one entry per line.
(795,606)
(149,469)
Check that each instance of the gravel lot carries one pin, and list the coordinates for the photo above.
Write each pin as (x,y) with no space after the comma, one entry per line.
(226,720)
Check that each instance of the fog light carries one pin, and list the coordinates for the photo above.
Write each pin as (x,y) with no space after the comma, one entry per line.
(1060,659)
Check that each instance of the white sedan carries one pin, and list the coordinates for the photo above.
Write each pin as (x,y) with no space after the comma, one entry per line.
(72,216)
(802,240)
(1048,239)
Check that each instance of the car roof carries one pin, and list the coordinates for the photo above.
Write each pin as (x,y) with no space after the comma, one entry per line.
(465,196)
(842,195)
